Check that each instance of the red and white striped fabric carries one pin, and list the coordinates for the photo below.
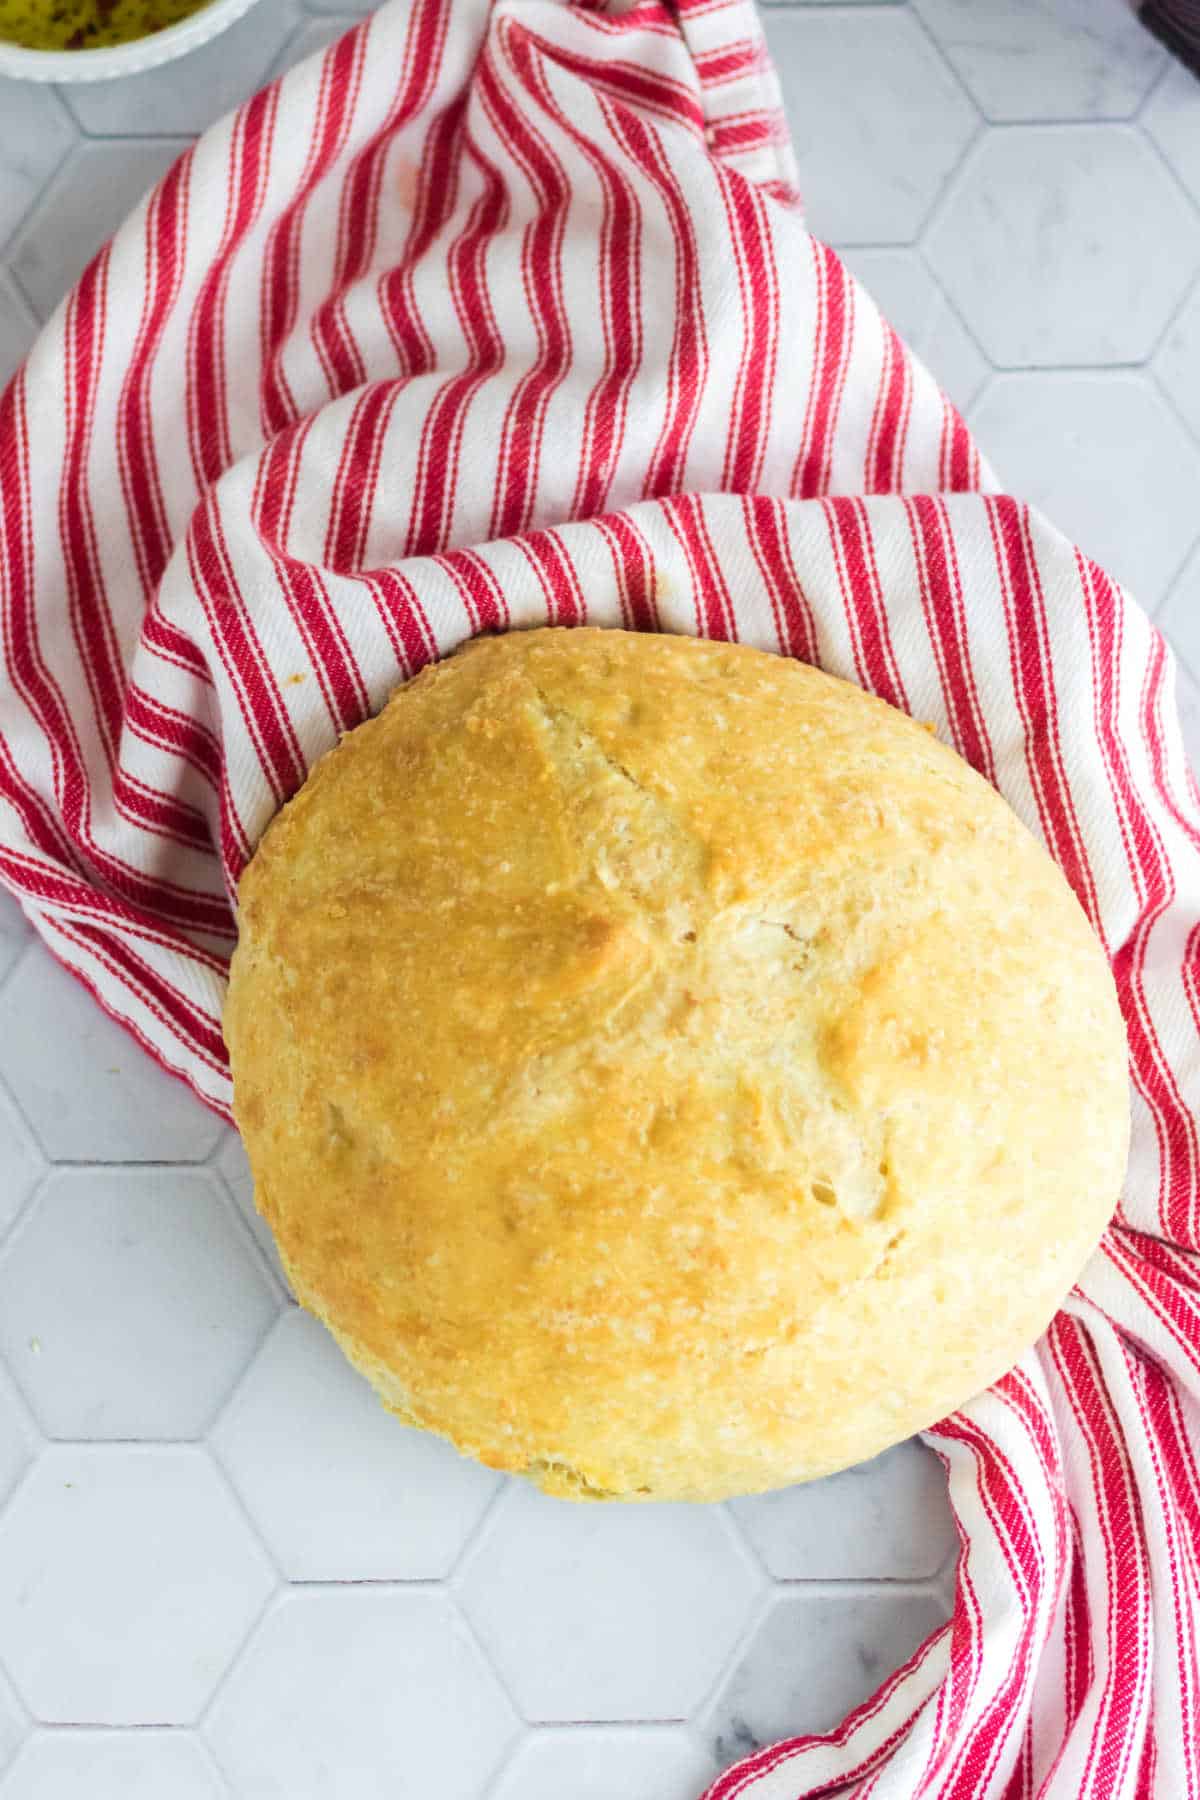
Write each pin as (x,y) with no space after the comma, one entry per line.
(499,314)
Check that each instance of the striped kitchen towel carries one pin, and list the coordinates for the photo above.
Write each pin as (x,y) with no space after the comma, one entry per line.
(499,314)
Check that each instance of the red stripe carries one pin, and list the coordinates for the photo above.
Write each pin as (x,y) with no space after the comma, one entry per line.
(91,619)
(945,616)
(642,89)
(883,473)
(330,655)
(633,566)
(40,693)
(127,970)
(754,253)
(341,76)
(434,204)
(835,316)
(862,599)
(157,723)
(519,461)
(688,363)
(208,415)
(61,897)
(1037,699)
(236,644)
(172,645)
(795,625)
(166,251)
(480,592)
(959,458)
(761,130)
(620,312)
(557,576)
(358,233)
(437,483)
(1120,1517)
(356,483)
(730,62)
(404,619)
(1150,873)
(710,594)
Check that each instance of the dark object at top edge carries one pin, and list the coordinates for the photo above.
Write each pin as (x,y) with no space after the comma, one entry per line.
(1175,23)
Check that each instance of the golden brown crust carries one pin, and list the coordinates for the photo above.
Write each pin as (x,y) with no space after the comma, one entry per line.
(668,1070)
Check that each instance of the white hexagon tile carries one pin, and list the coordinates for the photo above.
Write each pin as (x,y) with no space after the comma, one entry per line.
(887,1519)
(15,932)
(18,1437)
(1077,59)
(114,1765)
(877,118)
(374,1693)
(1080,445)
(607,1612)
(18,327)
(1065,246)
(225,1574)
(900,280)
(88,1091)
(653,1762)
(339,1490)
(129,1577)
(130,1302)
(231,1164)
(81,208)
(14,1724)
(779,1686)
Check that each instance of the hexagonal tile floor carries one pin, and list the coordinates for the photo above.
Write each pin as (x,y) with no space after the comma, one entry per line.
(224,1574)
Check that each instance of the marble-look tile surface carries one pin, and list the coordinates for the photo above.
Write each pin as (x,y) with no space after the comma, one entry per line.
(653,1762)
(1176,365)
(233,1168)
(877,119)
(14,1725)
(1179,617)
(128,1579)
(35,135)
(187,95)
(1171,120)
(18,327)
(421,1604)
(1065,245)
(99,183)
(886,1519)
(1105,457)
(15,934)
(339,1489)
(130,1303)
(89,1092)
(371,1692)
(1047,59)
(607,1612)
(114,1765)
(21,1164)
(18,1436)
(815,1656)
(1187,695)
(900,280)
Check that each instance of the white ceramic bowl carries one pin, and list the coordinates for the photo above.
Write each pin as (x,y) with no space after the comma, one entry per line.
(122,59)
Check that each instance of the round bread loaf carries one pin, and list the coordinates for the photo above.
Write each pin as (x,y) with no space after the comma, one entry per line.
(669,1071)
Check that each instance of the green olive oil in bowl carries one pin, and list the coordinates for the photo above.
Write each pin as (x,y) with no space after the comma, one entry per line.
(87,24)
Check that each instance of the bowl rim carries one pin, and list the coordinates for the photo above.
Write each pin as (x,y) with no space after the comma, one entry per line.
(213,16)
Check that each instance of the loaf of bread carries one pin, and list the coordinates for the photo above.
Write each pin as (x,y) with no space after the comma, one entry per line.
(669,1071)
